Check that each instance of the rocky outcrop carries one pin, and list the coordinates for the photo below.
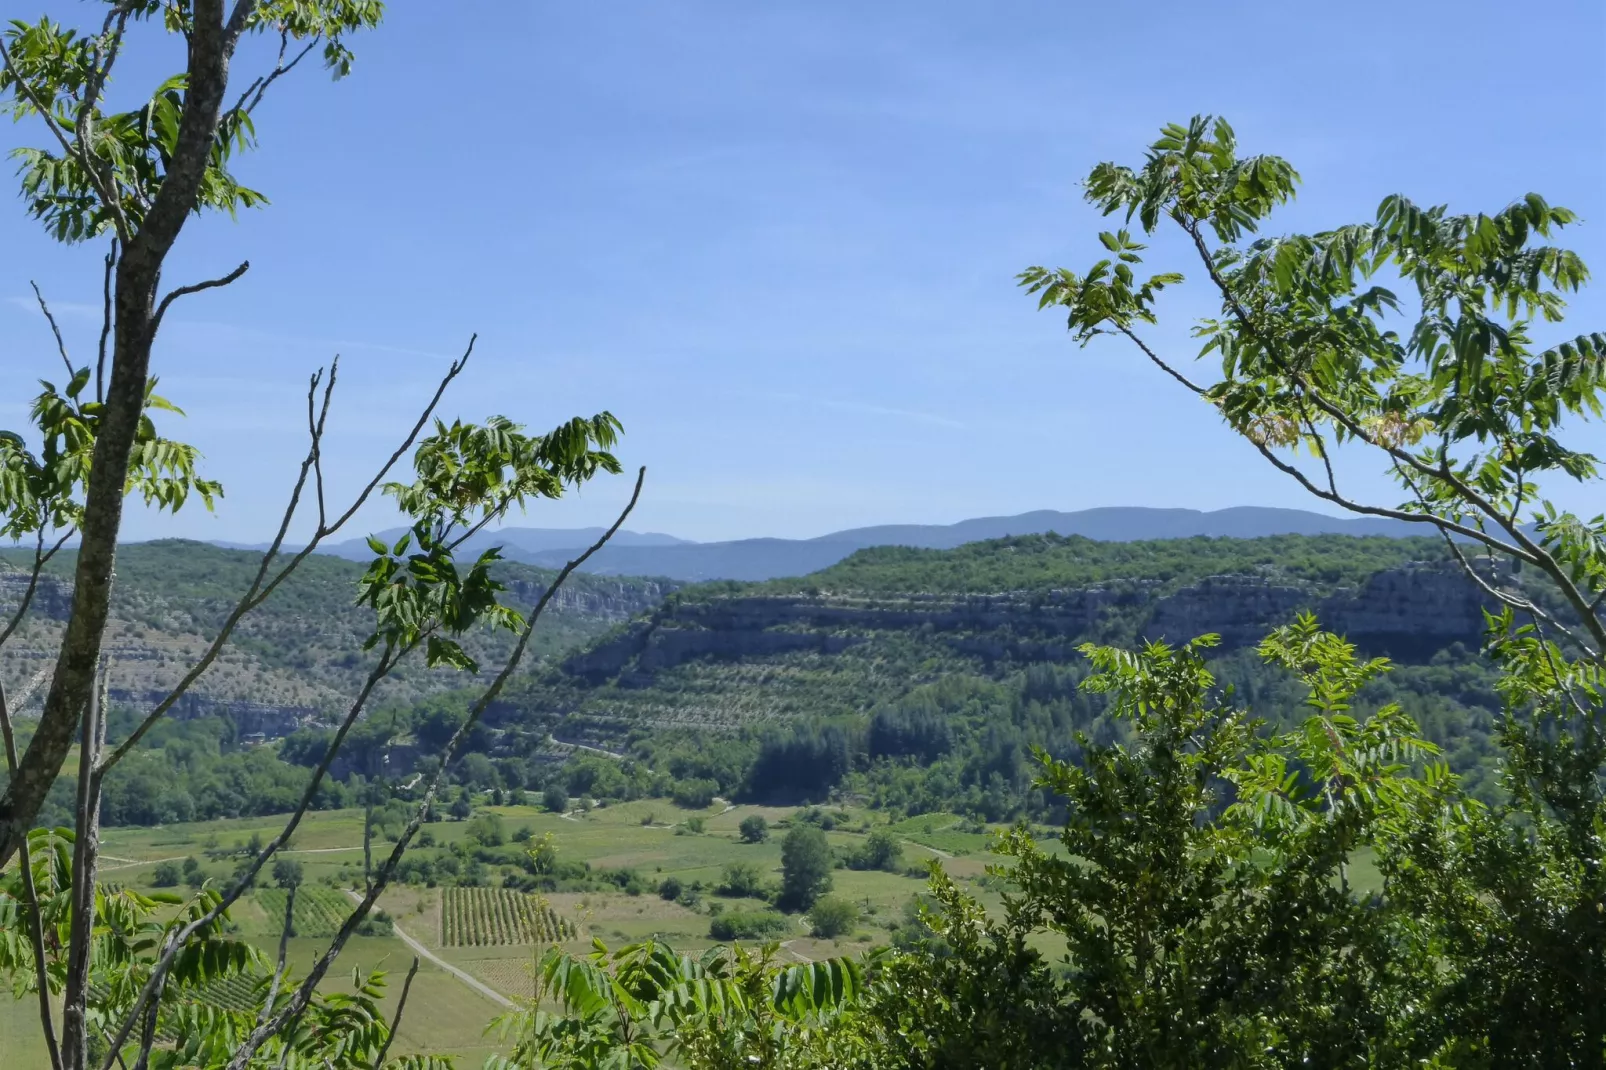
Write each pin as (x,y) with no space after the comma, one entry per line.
(52,599)
(618,600)
(1403,612)
(263,719)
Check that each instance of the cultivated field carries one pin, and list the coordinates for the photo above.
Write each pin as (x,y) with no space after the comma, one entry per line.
(495,935)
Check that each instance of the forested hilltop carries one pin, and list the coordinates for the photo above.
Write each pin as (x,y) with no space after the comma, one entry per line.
(921,679)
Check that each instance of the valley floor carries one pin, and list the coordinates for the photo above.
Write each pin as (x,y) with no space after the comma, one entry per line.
(450,1016)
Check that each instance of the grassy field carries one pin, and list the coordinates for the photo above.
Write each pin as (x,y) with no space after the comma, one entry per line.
(445,1014)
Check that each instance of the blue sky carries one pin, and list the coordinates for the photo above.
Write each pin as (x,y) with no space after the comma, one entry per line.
(778,240)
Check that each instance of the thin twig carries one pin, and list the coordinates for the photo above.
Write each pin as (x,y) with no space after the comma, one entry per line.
(362,497)
(303,994)
(194,288)
(259,591)
(256,89)
(284,944)
(61,345)
(178,937)
(105,323)
(395,1022)
(41,558)
(36,931)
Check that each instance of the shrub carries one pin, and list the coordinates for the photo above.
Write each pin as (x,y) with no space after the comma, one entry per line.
(670,888)
(754,829)
(832,916)
(167,875)
(695,825)
(487,829)
(742,880)
(555,799)
(747,925)
(881,850)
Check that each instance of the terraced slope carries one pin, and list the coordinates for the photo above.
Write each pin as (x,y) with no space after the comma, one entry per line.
(885,621)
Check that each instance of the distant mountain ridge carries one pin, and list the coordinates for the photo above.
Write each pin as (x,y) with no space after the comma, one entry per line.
(650,554)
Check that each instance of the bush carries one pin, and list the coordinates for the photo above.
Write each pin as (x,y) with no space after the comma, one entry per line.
(377,923)
(745,925)
(487,829)
(832,916)
(555,799)
(881,850)
(695,825)
(742,880)
(754,829)
(167,875)
(670,888)
(522,834)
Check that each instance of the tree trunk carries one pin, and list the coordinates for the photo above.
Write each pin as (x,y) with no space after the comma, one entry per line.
(86,857)
(139,270)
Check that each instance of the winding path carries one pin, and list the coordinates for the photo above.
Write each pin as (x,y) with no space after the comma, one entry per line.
(425,953)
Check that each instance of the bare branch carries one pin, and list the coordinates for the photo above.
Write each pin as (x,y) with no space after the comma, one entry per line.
(106,320)
(395,1022)
(304,992)
(176,939)
(36,931)
(41,558)
(1162,365)
(315,422)
(259,590)
(1331,495)
(451,373)
(193,288)
(253,93)
(147,1036)
(243,10)
(61,345)
(284,945)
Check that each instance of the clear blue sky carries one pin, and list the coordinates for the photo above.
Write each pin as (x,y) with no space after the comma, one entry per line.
(777,239)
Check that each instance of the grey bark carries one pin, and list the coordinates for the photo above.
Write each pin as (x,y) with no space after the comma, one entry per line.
(86,857)
(136,278)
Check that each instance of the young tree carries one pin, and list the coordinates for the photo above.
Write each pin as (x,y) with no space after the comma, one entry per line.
(555,799)
(754,829)
(1467,409)
(881,850)
(132,178)
(742,880)
(287,873)
(805,867)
